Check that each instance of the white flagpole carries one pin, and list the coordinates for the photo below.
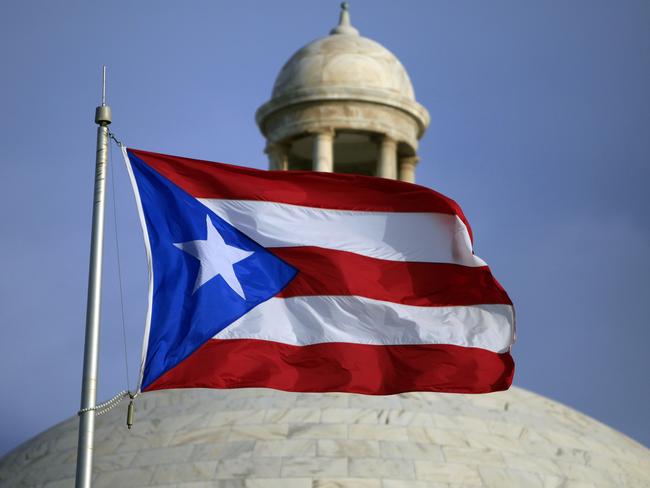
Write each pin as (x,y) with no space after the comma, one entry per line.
(93,307)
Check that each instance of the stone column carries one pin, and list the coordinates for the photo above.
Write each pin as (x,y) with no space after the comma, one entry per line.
(407,166)
(387,164)
(323,151)
(278,156)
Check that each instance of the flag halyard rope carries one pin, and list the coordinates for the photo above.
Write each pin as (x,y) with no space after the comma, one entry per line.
(119,261)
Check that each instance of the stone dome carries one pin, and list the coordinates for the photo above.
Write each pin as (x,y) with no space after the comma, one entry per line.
(265,438)
(340,63)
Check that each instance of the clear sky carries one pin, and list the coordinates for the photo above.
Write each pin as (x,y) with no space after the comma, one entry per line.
(540,129)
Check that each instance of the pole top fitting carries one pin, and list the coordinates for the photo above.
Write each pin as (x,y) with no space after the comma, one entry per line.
(103,115)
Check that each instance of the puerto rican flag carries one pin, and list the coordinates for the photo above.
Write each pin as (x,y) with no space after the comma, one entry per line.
(313,282)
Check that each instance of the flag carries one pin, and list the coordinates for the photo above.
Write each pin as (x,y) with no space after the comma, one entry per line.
(313,282)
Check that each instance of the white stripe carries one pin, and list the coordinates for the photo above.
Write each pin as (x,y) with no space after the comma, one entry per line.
(394,236)
(316,319)
(147,246)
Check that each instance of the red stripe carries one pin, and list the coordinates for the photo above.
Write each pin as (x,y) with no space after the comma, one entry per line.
(331,272)
(343,367)
(203,179)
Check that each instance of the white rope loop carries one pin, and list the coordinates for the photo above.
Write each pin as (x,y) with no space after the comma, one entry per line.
(109,405)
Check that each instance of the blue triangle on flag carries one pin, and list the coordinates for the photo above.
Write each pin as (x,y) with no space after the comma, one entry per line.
(184,316)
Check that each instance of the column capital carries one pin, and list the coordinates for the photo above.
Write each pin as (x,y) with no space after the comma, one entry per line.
(325,131)
(274,147)
(409,160)
(384,139)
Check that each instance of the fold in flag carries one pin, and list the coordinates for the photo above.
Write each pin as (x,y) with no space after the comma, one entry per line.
(313,282)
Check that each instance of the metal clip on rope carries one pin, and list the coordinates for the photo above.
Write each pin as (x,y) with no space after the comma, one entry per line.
(112,136)
(130,412)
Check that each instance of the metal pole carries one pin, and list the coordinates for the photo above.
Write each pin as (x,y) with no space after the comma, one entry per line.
(93,307)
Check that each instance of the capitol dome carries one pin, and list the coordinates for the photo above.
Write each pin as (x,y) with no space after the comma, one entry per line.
(272,439)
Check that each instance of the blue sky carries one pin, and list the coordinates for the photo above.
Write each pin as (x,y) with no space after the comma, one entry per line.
(540,119)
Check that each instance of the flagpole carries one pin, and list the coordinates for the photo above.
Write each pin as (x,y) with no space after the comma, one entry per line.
(93,306)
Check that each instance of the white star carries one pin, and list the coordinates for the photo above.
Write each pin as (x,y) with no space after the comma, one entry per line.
(216,257)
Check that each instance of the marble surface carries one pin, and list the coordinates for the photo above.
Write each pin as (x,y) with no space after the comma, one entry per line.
(265,438)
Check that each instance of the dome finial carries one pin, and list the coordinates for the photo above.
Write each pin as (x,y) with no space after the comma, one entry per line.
(345,27)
